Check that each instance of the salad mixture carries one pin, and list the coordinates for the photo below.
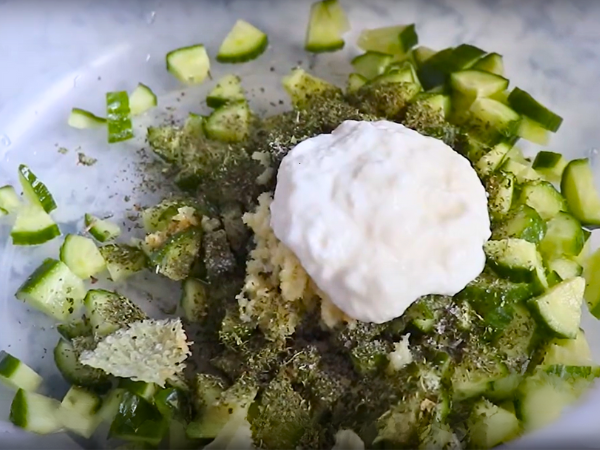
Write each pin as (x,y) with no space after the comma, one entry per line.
(259,355)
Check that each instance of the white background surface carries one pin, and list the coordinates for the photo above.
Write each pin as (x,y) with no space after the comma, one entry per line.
(56,54)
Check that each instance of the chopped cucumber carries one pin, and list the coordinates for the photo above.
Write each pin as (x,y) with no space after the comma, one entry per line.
(492,62)
(82,256)
(490,425)
(122,260)
(109,311)
(82,119)
(244,42)
(173,403)
(371,64)
(137,420)
(560,307)
(492,160)
(16,374)
(394,40)
(579,189)
(34,190)
(229,123)
(565,267)
(465,55)
(517,260)
(564,236)
(75,328)
(53,289)
(139,388)
(110,405)
(522,223)
(101,229)
(77,411)
(470,379)
(521,170)
(189,65)
(160,216)
(142,99)
(532,131)
(33,226)
(422,54)
(194,300)
(66,358)
(435,70)
(35,413)
(493,120)
(355,82)
(592,290)
(477,83)
(174,259)
(525,104)
(323,33)
(118,118)
(568,352)
(500,187)
(228,89)
(9,199)
(551,165)
(302,87)
(544,198)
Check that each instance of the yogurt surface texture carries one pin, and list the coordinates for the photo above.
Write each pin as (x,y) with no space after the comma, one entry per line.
(380,215)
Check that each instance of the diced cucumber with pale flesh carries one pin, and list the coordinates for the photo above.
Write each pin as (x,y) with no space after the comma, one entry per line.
(82,119)
(66,358)
(564,236)
(118,117)
(110,405)
(9,199)
(591,272)
(35,413)
(34,190)
(355,82)
(523,103)
(323,33)
(137,420)
(139,388)
(15,374)
(522,223)
(422,54)
(477,83)
(565,267)
(500,187)
(82,256)
(516,259)
(394,40)
(75,328)
(544,198)
(371,64)
(559,308)
(122,260)
(522,171)
(490,425)
(532,131)
(551,165)
(579,189)
(492,160)
(53,289)
(243,43)
(194,300)
(101,229)
(302,86)
(142,99)
(228,89)
(190,65)
(493,120)
(33,226)
(465,55)
(229,123)
(568,352)
(470,380)
(109,311)
(492,62)
(77,411)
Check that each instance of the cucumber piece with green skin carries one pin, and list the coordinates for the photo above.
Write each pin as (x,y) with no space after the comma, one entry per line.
(477,83)
(532,131)
(394,40)
(160,216)
(139,388)
(422,54)
(355,82)
(471,379)
(101,229)
(190,65)
(465,55)
(523,103)
(35,413)
(229,123)
(174,259)
(492,120)
(15,374)
(33,226)
(302,86)
(194,301)
(517,342)
(109,311)
(492,62)
(523,171)
(66,358)
(142,99)
(435,70)
(371,64)
(573,373)
(53,289)
(500,187)
(9,199)
(173,404)
(559,309)
(122,260)
(488,290)
(492,160)
(228,89)
(34,190)
(564,236)
(110,405)
(77,411)
(567,352)
(118,118)
(517,260)
(137,420)
(82,119)
(550,164)
(490,425)
(522,223)
(81,255)
(243,43)
(578,187)
(565,267)
(592,289)
(323,33)
(75,328)
(436,103)
(544,198)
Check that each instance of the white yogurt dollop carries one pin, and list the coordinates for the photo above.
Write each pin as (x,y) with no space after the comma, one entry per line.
(380,215)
